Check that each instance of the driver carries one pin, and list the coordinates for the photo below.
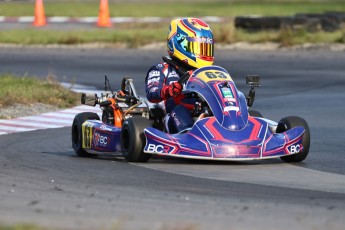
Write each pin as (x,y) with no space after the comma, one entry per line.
(190,46)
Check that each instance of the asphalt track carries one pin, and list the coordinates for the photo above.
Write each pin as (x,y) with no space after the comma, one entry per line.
(43,182)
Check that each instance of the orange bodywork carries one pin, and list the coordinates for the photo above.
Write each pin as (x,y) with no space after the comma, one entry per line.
(118,115)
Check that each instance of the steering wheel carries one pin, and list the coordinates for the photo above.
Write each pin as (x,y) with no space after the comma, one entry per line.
(123,86)
(184,78)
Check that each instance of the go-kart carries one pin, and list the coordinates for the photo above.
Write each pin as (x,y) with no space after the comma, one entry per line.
(224,128)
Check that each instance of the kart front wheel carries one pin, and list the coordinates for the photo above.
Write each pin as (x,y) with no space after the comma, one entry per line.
(77,135)
(133,139)
(289,123)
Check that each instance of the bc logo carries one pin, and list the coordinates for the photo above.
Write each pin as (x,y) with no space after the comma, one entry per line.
(158,148)
(295,148)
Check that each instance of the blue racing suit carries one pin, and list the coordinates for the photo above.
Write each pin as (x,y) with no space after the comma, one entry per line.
(178,109)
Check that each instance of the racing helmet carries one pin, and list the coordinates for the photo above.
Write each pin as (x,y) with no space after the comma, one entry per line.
(190,40)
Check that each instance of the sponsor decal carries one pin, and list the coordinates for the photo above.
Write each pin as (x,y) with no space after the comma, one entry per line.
(152,80)
(201,40)
(295,148)
(173,74)
(87,136)
(154,73)
(227,92)
(100,140)
(158,148)
(153,84)
(206,40)
(231,108)
(104,127)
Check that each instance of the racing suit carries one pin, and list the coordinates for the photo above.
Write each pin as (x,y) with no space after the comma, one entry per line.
(178,115)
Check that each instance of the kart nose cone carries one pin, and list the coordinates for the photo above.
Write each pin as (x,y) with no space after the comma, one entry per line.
(233,122)
(233,127)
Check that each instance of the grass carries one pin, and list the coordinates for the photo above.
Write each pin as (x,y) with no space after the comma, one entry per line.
(134,35)
(20,227)
(285,36)
(131,37)
(28,90)
(174,8)
(138,35)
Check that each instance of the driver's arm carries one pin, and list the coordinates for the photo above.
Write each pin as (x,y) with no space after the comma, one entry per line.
(154,81)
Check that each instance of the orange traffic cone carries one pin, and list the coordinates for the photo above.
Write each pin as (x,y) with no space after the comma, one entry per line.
(40,18)
(103,16)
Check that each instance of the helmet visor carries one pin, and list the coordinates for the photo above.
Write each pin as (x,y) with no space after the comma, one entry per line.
(199,45)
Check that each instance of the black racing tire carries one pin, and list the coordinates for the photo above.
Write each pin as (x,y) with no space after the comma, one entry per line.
(254,113)
(256,23)
(289,123)
(78,121)
(133,139)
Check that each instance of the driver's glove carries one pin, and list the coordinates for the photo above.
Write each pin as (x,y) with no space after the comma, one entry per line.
(172,90)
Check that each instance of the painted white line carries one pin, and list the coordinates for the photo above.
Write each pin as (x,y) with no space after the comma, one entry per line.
(58,119)
(87,20)
(59,115)
(72,111)
(52,120)
(58,19)
(36,124)
(75,112)
(149,19)
(16,129)
(42,121)
(212,19)
(122,19)
(26,19)
(87,108)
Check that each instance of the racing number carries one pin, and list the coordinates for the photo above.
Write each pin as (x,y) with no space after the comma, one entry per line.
(87,139)
(215,75)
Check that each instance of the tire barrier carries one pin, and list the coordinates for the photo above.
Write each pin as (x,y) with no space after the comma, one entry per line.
(329,21)
(258,23)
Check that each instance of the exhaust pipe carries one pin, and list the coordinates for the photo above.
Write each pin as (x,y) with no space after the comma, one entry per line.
(89,99)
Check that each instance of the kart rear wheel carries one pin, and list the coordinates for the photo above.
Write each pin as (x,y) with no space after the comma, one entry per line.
(133,139)
(78,121)
(289,123)
(254,113)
